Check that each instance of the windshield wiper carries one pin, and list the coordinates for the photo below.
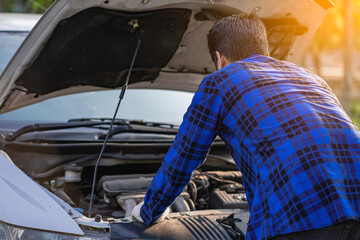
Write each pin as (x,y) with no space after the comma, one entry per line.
(49,126)
(126,122)
(140,129)
(95,119)
(135,126)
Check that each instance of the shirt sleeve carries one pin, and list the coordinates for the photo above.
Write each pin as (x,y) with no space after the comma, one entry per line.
(193,140)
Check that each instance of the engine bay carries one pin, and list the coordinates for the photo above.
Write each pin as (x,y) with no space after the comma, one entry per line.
(214,198)
(116,195)
(212,206)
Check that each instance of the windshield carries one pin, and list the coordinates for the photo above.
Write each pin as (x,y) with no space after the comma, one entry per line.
(9,43)
(138,104)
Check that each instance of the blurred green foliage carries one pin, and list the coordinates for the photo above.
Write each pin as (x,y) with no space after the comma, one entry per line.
(356,113)
(31,6)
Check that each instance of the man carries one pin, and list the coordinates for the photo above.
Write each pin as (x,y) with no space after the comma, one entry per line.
(298,151)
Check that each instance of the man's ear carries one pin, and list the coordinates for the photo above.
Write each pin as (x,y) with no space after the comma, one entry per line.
(222,61)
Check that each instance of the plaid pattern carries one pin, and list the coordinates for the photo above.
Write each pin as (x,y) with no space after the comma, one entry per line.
(298,151)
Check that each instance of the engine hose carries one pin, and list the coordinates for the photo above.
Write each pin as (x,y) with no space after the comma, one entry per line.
(191,205)
(129,206)
(180,205)
(193,190)
(61,194)
(218,179)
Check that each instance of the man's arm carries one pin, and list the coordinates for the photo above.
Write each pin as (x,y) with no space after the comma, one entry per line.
(192,142)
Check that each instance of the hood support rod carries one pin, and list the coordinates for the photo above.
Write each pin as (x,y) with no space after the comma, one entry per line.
(122,93)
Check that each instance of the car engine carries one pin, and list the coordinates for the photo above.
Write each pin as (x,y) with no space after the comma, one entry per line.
(117,195)
(214,202)
(206,190)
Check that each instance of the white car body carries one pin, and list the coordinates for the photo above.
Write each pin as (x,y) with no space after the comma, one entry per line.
(23,195)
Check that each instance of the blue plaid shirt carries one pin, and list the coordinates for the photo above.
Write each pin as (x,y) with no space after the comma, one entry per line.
(298,151)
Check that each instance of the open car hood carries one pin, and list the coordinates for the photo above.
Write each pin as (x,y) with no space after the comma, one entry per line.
(88,45)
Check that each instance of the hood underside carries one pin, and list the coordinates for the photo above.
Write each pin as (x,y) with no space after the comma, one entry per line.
(95,47)
(82,46)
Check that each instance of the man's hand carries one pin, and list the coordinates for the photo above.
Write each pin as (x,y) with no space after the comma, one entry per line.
(136,213)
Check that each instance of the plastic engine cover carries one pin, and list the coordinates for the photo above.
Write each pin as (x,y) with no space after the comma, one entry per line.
(192,225)
(223,200)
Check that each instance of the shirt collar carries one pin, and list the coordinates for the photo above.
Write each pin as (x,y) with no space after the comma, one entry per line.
(255,58)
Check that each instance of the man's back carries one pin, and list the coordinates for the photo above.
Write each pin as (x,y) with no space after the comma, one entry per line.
(297,149)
